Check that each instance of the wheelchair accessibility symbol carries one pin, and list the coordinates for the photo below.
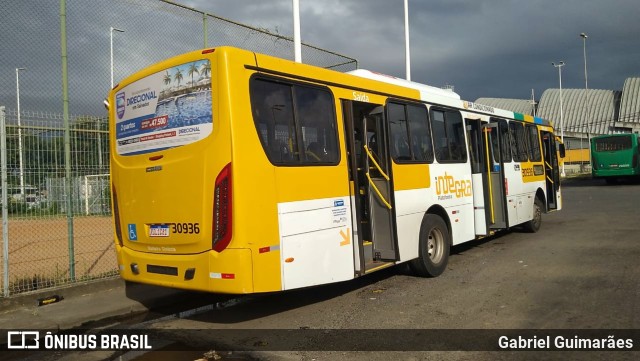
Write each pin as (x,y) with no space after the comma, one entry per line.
(133,234)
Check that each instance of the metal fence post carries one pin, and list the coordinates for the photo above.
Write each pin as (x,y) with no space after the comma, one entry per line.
(204,30)
(5,205)
(67,138)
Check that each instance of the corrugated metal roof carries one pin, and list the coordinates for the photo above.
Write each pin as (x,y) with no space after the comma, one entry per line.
(515,105)
(630,102)
(592,110)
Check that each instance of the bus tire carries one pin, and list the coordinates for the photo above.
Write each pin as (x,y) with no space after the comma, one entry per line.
(534,224)
(434,245)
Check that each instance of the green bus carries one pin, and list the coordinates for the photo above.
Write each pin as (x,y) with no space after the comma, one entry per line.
(615,156)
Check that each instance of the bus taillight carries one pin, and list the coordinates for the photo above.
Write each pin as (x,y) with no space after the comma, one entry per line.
(222,210)
(116,216)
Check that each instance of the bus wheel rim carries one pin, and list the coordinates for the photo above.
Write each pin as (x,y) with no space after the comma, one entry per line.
(435,245)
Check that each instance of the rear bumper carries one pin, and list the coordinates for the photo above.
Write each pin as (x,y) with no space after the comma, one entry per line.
(227,272)
(621,172)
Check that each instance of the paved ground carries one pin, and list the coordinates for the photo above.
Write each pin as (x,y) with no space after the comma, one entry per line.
(579,272)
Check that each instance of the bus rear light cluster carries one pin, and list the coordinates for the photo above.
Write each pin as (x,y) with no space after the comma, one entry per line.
(222,210)
(116,216)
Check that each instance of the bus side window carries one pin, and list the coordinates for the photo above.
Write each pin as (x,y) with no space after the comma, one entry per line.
(521,142)
(534,143)
(272,106)
(448,136)
(420,133)
(398,126)
(296,123)
(410,133)
(316,123)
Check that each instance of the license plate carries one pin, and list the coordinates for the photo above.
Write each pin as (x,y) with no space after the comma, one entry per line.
(159,230)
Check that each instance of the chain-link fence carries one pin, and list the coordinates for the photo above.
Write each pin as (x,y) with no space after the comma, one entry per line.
(48,243)
(57,227)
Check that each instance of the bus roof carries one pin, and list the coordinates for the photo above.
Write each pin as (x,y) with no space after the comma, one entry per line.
(615,135)
(422,88)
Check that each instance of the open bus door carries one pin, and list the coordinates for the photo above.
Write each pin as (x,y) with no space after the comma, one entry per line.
(487,176)
(371,184)
(478,176)
(495,179)
(551,169)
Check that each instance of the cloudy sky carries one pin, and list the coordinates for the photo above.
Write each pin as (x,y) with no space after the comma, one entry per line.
(485,48)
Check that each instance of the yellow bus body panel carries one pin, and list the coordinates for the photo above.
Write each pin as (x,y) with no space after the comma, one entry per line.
(410,176)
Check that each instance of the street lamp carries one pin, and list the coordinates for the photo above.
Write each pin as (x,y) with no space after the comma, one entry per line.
(111,30)
(586,92)
(559,66)
(20,160)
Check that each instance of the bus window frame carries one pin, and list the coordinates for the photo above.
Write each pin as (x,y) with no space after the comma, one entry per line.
(301,162)
(525,142)
(445,109)
(405,104)
(505,138)
(528,128)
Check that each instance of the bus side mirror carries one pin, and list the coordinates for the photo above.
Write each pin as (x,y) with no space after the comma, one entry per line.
(562,150)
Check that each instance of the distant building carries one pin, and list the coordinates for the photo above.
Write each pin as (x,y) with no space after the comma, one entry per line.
(585,112)
(515,105)
(629,115)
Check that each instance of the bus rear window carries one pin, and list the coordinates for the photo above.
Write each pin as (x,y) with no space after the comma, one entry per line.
(167,109)
(612,144)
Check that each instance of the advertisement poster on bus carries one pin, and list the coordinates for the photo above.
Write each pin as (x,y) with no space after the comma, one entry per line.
(167,109)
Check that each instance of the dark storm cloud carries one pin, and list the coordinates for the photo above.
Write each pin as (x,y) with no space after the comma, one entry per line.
(485,48)
(490,48)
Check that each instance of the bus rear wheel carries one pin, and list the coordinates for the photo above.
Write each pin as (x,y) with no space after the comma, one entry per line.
(434,244)
(534,224)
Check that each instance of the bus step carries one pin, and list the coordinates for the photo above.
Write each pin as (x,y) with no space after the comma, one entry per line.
(368,251)
(376,265)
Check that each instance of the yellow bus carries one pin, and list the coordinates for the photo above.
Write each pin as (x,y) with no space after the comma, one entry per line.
(237,172)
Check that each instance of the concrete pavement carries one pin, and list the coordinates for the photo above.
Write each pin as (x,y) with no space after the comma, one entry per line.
(83,303)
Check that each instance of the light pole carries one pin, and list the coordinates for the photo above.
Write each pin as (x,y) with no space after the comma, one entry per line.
(407,51)
(586,93)
(559,66)
(111,30)
(20,160)
(297,44)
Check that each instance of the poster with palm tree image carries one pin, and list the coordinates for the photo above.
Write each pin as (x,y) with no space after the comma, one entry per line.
(170,108)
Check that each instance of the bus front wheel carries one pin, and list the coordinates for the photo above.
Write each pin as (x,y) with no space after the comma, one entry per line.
(533,225)
(434,244)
